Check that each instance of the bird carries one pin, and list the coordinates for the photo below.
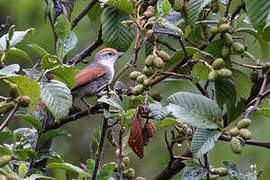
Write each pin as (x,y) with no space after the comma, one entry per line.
(96,76)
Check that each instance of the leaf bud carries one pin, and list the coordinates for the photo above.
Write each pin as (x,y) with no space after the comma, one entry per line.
(223,28)
(218,64)
(149,61)
(164,55)
(236,145)
(213,76)
(138,89)
(234,131)
(150,12)
(244,123)
(133,75)
(141,78)
(129,173)
(24,101)
(5,160)
(245,134)
(238,47)
(158,63)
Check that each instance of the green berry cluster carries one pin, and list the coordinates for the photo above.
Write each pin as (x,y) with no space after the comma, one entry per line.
(219,71)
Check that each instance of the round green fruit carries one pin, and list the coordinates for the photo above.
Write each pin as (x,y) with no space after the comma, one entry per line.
(164,55)
(24,101)
(133,75)
(149,61)
(238,47)
(245,134)
(236,145)
(234,131)
(213,76)
(158,63)
(218,64)
(223,28)
(148,71)
(138,89)
(244,123)
(14,91)
(141,78)
(224,73)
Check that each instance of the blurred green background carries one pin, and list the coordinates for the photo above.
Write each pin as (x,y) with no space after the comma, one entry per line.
(30,13)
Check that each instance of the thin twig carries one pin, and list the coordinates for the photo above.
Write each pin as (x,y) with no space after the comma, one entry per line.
(120,161)
(52,26)
(83,13)
(237,11)
(88,50)
(100,149)
(226,12)
(207,166)
(246,65)
(14,109)
(166,44)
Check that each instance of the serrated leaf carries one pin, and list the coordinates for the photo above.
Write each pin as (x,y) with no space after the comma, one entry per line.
(200,72)
(242,83)
(66,166)
(214,48)
(264,45)
(195,8)
(19,53)
(38,49)
(8,70)
(50,61)
(31,119)
(62,27)
(194,109)
(191,51)
(17,37)
(113,100)
(90,164)
(52,134)
(23,170)
(26,86)
(64,46)
(123,5)
(158,111)
(106,171)
(115,35)
(194,173)
(203,141)
(257,11)
(57,97)
(168,122)
(65,74)
(94,146)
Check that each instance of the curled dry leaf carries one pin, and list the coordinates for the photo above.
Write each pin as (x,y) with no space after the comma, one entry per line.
(135,140)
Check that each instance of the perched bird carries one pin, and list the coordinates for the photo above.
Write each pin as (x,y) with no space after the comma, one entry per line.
(96,76)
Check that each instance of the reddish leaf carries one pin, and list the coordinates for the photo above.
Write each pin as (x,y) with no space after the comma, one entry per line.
(135,140)
(148,132)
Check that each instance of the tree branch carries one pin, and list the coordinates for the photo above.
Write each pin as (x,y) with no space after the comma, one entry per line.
(83,13)
(12,112)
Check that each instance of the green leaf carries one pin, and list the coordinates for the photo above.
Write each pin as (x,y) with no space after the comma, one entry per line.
(19,52)
(264,45)
(214,48)
(242,82)
(39,177)
(5,133)
(195,8)
(64,46)
(62,27)
(168,122)
(191,163)
(94,146)
(106,171)
(38,49)
(257,11)
(60,173)
(264,111)
(50,61)
(8,70)
(90,164)
(31,119)
(158,111)
(179,55)
(57,97)
(26,86)
(234,110)
(114,33)
(52,134)
(17,37)
(164,7)
(123,5)
(200,72)
(194,109)
(95,12)
(23,170)
(65,74)
(203,141)
(113,100)
(66,166)
(168,25)
(194,173)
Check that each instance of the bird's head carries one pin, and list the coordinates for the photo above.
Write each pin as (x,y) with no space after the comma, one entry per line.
(107,56)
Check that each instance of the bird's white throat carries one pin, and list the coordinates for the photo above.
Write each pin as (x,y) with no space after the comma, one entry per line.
(110,65)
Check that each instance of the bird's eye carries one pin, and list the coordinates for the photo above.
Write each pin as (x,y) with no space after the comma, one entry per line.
(110,53)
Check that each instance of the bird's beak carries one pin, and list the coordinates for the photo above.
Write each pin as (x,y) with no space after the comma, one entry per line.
(121,54)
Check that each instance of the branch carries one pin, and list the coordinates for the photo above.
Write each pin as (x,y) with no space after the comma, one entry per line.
(83,13)
(52,26)
(166,44)
(120,142)
(176,166)
(249,142)
(237,11)
(14,109)
(100,148)
(88,50)
(226,12)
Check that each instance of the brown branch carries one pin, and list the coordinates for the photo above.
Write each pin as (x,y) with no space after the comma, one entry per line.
(100,147)
(120,161)
(88,50)
(83,13)
(237,11)
(166,44)
(14,109)
(176,166)
(226,12)
(249,142)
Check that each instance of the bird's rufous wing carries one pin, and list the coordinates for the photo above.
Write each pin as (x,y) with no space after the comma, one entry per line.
(89,74)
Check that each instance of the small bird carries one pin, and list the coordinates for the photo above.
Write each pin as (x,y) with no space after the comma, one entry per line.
(97,75)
